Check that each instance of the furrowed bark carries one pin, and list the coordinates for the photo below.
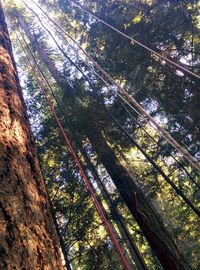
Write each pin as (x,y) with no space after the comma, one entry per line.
(28,239)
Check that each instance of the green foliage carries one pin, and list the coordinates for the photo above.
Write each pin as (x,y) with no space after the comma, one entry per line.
(167,26)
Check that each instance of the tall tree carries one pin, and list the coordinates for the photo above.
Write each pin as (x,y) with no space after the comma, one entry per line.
(142,210)
(28,236)
(146,77)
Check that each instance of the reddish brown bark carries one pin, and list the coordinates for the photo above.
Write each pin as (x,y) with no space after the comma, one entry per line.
(28,239)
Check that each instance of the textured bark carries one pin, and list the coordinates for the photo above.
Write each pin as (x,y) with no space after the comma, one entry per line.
(144,213)
(28,239)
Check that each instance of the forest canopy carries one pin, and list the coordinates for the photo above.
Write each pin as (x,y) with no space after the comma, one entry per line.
(129,104)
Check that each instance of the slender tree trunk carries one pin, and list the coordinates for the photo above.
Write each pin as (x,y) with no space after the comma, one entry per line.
(144,213)
(123,230)
(131,257)
(117,235)
(134,255)
(28,239)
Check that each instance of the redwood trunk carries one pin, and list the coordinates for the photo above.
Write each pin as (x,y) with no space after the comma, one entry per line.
(144,213)
(28,239)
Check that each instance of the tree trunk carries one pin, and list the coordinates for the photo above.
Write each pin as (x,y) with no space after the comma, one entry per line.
(144,213)
(134,255)
(28,239)
(131,262)
(123,230)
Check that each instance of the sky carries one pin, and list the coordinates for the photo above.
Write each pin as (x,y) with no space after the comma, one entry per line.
(21,72)
(30,3)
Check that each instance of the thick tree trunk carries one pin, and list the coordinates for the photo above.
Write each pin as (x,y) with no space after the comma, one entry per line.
(28,239)
(144,213)
(142,210)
